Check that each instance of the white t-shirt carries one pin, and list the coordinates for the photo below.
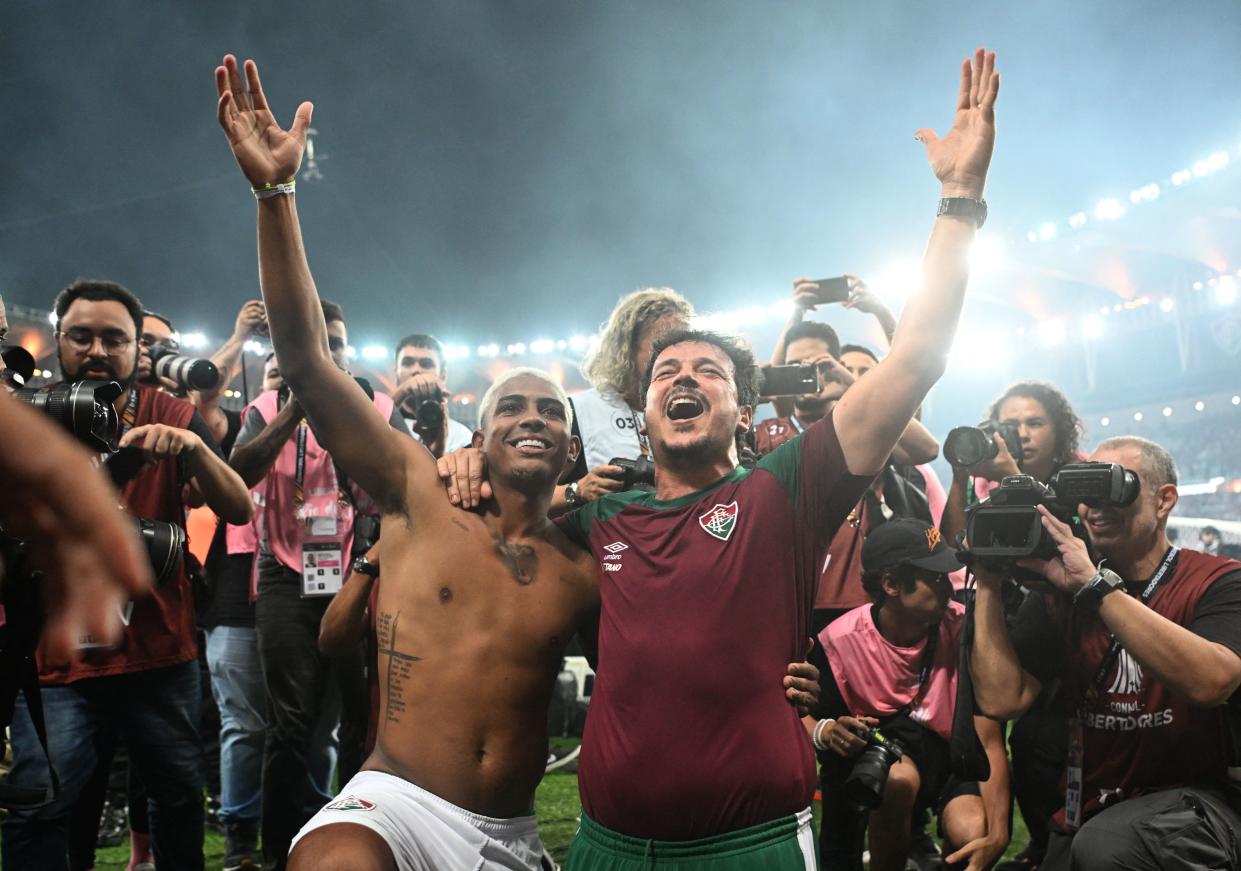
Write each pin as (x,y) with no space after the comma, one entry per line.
(459,435)
(609,427)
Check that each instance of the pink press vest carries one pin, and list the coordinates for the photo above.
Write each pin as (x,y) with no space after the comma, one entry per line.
(280,521)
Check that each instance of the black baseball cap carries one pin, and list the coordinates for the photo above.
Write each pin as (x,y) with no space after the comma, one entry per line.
(907,541)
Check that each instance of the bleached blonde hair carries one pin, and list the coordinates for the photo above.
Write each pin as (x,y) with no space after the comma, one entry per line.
(611,367)
(487,406)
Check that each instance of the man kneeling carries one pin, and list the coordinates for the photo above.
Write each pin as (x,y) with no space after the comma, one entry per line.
(891,673)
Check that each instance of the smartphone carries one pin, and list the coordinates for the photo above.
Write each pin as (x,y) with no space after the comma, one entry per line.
(833,289)
(789,381)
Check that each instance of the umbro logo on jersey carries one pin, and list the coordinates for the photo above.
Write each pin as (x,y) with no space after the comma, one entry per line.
(616,547)
(350,803)
(720,521)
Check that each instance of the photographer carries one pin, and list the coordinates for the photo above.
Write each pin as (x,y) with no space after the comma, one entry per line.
(892,494)
(146,688)
(1041,420)
(608,418)
(892,665)
(1149,645)
(422,395)
(307,520)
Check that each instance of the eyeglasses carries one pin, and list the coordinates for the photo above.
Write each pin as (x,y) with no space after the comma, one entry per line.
(82,339)
(147,340)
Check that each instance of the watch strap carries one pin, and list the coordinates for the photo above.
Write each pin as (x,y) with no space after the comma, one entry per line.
(363,566)
(1091,594)
(964,207)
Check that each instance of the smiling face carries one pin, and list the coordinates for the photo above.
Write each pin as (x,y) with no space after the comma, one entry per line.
(1123,534)
(692,414)
(527,438)
(96,339)
(1038,434)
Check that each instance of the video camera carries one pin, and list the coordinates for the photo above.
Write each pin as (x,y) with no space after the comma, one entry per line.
(85,409)
(1007,526)
(639,471)
(968,446)
(188,373)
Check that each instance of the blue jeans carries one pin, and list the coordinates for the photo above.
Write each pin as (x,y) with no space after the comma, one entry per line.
(156,712)
(237,684)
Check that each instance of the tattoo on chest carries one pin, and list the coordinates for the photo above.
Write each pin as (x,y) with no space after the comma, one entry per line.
(400,666)
(461,523)
(520,559)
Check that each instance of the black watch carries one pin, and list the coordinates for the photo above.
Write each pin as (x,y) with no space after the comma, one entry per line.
(363,566)
(964,207)
(1091,595)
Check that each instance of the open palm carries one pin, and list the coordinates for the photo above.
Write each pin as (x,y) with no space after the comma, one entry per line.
(960,160)
(266,153)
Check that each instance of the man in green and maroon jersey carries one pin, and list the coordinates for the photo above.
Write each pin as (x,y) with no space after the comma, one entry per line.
(719,564)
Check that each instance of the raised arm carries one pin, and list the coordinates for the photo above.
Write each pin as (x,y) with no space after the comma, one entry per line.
(805,295)
(1002,688)
(346,422)
(227,359)
(873,414)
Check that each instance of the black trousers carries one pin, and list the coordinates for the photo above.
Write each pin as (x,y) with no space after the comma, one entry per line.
(1040,747)
(301,683)
(1185,829)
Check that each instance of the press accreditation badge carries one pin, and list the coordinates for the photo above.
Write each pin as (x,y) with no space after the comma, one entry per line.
(1073,780)
(323,569)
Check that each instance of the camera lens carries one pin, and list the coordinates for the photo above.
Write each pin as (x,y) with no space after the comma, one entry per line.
(429,414)
(83,408)
(190,373)
(967,446)
(164,544)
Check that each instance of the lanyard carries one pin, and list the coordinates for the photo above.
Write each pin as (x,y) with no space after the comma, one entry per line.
(1113,651)
(299,482)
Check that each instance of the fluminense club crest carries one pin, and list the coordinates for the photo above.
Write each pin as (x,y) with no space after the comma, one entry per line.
(720,520)
(350,803)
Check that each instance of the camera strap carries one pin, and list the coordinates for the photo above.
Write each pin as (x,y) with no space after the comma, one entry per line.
(1113,650)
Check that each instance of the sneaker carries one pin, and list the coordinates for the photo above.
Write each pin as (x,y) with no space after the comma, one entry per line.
(924,855)
(241,841)
(211,815)
(113,824)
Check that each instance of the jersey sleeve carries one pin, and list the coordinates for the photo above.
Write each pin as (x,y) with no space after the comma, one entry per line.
(251,426)
(812,469)
(1217,616)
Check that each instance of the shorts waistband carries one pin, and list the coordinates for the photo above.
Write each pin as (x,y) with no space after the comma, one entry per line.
(500,828)
(715,846)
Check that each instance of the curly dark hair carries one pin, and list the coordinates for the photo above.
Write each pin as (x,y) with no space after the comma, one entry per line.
(1068,427)
(745,368)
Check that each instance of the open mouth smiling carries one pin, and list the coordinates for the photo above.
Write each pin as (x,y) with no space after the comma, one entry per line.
(683,407)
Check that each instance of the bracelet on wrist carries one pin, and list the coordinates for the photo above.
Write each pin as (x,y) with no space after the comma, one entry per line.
(817,738)
(274,189)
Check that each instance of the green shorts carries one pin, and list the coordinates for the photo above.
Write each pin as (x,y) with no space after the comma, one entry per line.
(786,843)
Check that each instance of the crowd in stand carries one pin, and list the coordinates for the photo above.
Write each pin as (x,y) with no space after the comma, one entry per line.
(384,596)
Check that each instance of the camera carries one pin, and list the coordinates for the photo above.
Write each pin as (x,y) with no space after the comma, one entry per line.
(84,408)
(1007,525)
(869,775)
(639,471)
(429,415)
(968,446)
(189,373)
(164,544)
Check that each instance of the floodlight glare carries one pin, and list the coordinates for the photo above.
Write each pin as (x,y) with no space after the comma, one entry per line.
(1226,290)
(1092,327)
(1077,219)
(1107,421)
(1167,412)
(1051,332)
(1167,304)
(1109,209)
(1137,415)
(1200,405)
(194,340)
(380,352)
(1047,231)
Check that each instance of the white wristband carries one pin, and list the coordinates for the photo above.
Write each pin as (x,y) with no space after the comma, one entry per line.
(817,738)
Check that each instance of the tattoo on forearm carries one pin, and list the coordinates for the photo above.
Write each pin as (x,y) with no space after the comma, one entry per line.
(520,559)
(400,665)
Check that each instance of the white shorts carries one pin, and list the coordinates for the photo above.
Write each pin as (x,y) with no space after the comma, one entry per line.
(426,833)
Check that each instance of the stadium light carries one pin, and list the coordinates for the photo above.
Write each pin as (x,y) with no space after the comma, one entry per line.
(1200,405)
(351,352)
(1226,290)
(577,343)
(1137,415)
(51,318)
(542,346)
(1092,326)
(194,340)
(1167,304)
(1077,219)
(379,352)
(1107,421)
(1236,400)
(1167,411)
(252,347)
(1047,231)
(987,254)
(1109,210)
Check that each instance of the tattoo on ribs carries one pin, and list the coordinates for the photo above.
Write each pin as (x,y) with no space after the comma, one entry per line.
(520,559)
(400,665)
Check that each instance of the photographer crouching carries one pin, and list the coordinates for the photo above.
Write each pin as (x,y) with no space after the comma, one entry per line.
(1148,642)
(887,728)
(146,687)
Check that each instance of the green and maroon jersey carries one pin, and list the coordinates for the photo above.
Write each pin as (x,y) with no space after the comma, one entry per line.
(706,599)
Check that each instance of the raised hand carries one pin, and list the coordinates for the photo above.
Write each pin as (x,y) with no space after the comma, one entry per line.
(961,158)
(266,153)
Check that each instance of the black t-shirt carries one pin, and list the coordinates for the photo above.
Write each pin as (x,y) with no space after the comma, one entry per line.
(1041,649)
(228,577)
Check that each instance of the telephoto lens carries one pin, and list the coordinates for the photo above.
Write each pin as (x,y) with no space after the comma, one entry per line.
(188,373)
(967,446)
(83,408)
(164,543)
(429,415)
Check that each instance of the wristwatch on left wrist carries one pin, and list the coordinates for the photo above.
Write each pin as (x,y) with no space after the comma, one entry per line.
(363,566)
(970,209)
(1091,595)
(572,497)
